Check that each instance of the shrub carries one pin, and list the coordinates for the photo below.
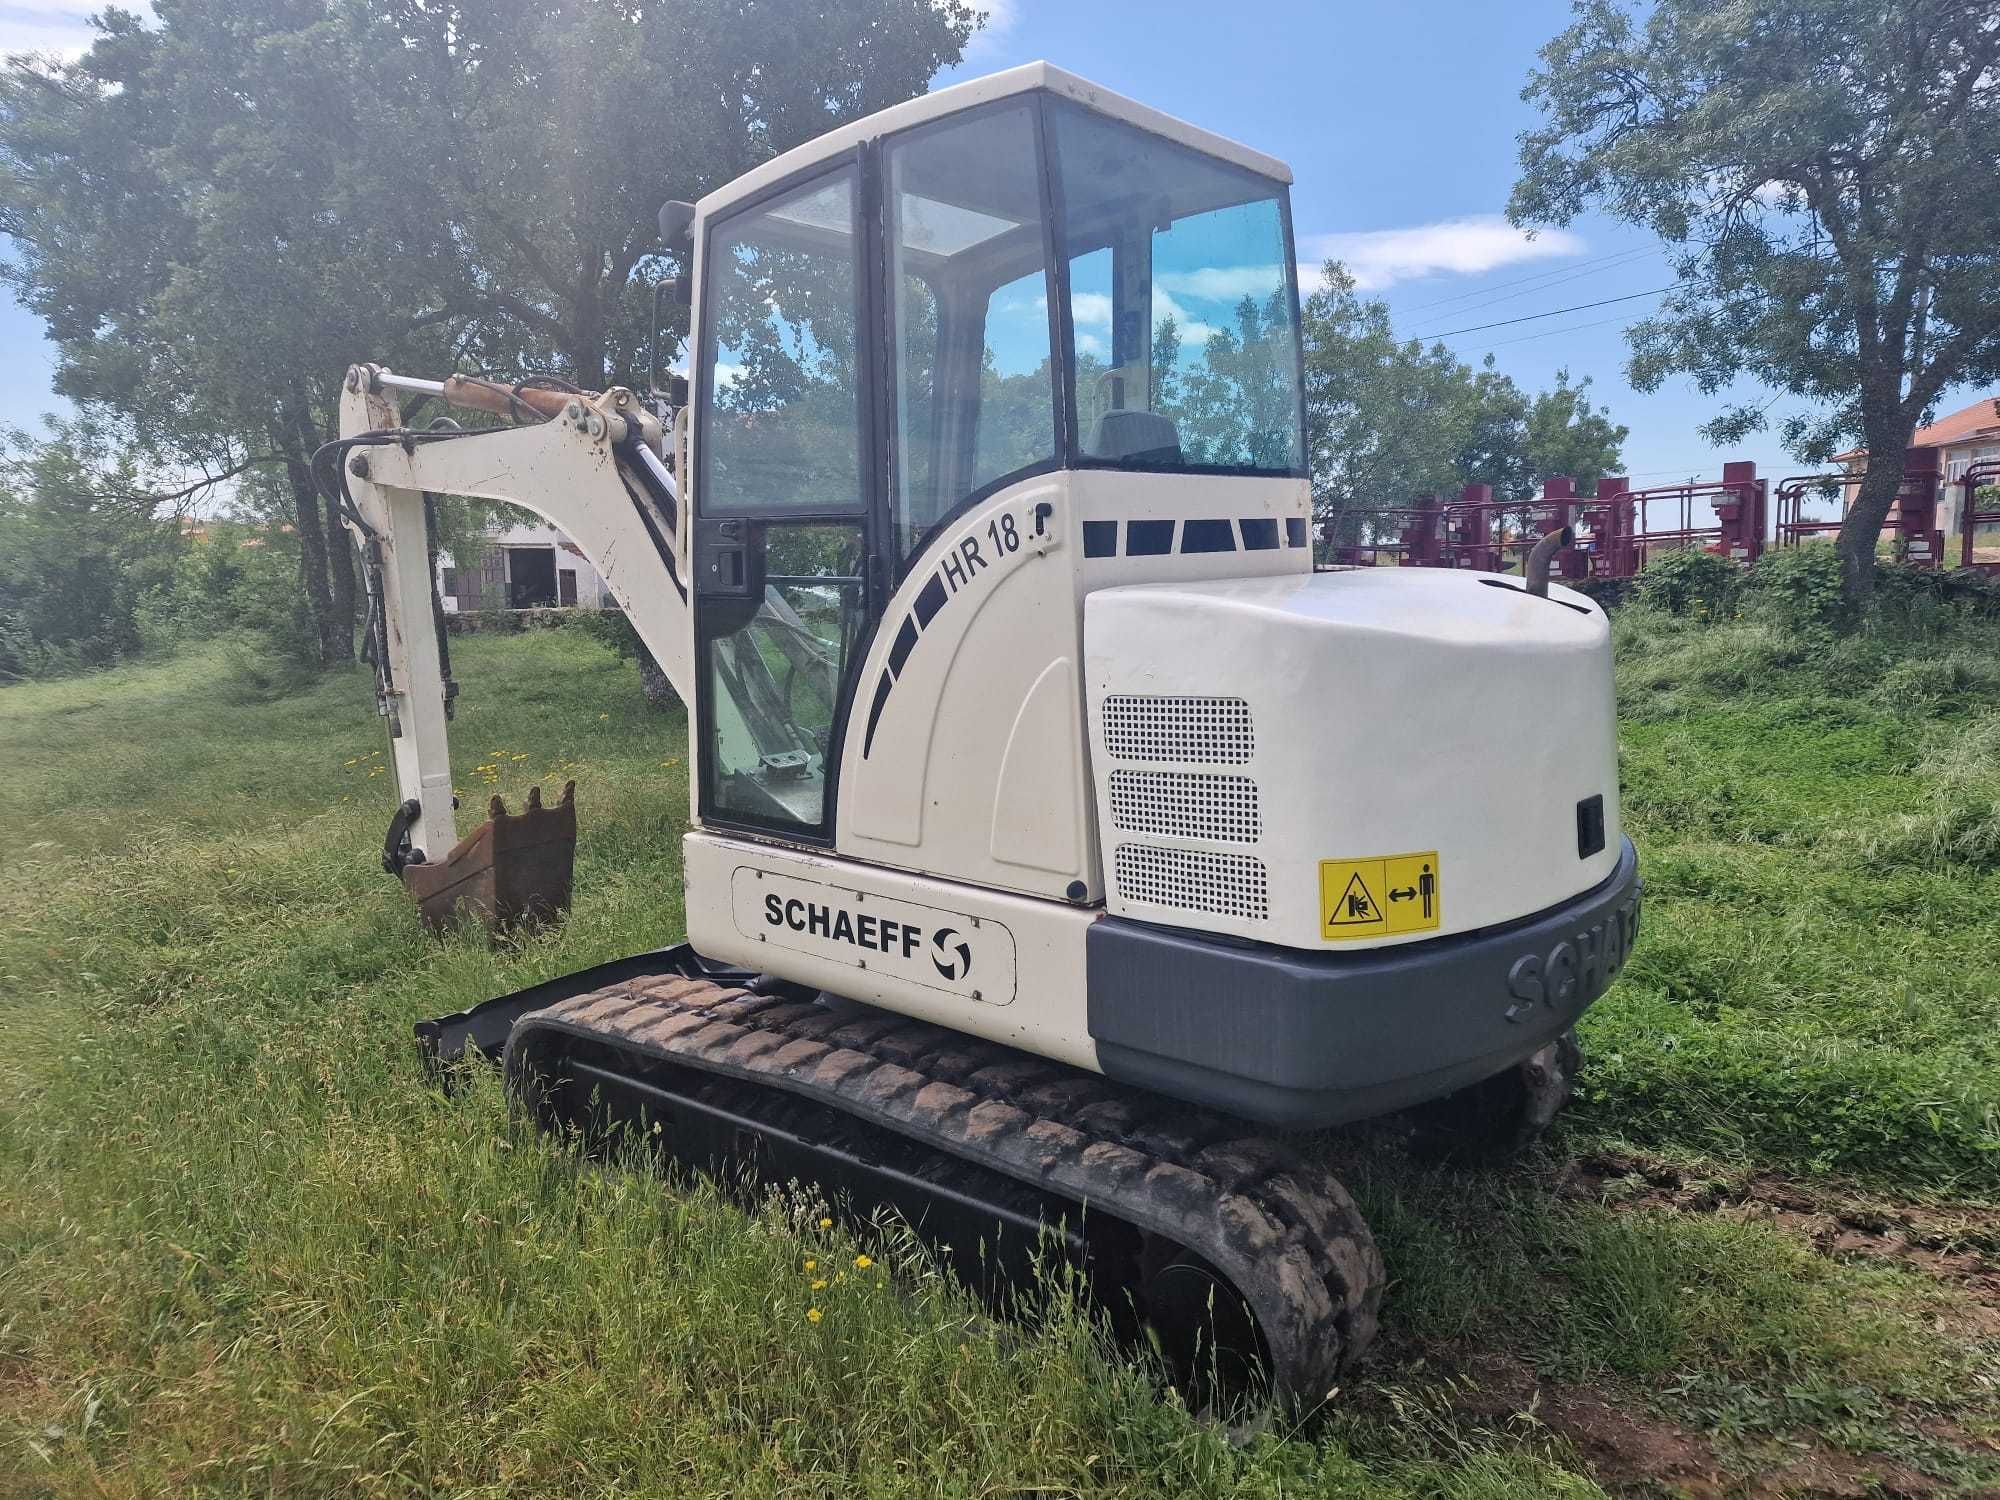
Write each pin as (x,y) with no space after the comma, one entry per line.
(1690,582)
(1799,587)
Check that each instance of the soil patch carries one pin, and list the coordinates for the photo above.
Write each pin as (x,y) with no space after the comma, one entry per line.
(1631,1451)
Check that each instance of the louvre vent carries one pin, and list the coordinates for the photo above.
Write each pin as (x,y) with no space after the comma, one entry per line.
(1224,885)
(1214,731)
(1186,804)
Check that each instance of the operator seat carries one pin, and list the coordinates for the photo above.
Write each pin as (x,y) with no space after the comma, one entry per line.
(1142,435)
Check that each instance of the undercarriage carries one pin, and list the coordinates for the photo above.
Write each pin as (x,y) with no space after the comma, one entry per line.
(1231,1252)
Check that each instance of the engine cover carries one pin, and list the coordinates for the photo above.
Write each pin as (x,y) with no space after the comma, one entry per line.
(1350,759)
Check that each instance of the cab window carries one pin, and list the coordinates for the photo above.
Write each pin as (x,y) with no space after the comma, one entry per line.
(782,429)
(782,607)
(1182,306)
(969,300)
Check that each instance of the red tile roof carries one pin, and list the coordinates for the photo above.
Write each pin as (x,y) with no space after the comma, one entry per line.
(1980,419)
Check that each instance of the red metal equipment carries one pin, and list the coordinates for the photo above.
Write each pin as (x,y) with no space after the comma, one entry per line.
(1912,516)
(1494,535)
(1615,535)
(1740,501)
(1419,538)
(1971,518)
(1468,530)
(1792,526)
(1609,518)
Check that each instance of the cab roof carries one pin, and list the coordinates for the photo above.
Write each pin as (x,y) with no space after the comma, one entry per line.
(1025,79)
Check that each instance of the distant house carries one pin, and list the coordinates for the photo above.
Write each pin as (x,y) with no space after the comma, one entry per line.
(522,567)
(1967,437)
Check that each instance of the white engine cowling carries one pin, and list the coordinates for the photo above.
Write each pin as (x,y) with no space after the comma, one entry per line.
(1351,759)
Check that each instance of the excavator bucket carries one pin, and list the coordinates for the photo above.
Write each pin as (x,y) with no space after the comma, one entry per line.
(511,871)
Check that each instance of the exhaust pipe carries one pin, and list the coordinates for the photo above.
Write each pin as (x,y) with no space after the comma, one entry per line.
(1536,572)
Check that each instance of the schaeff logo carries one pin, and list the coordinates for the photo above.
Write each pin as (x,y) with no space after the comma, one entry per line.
(861,930)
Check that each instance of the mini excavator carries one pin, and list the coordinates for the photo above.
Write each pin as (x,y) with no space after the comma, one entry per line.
(1060,839)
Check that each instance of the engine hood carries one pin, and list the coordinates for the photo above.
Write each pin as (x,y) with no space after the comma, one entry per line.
(1350,759)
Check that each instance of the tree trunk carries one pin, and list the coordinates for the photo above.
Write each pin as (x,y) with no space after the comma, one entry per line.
(312,550)
(340,592)
(586,342)
(1861,529)
(653,681)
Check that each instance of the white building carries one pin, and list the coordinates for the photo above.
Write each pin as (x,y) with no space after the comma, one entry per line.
(522,567)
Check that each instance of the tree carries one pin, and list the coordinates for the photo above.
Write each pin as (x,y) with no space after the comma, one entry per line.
(1388,420)
(1563,433)
(77,548)
(1824,172)
(218,214)
(1237,403)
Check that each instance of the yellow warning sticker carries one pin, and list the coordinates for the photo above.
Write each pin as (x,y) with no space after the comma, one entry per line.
(1367,898)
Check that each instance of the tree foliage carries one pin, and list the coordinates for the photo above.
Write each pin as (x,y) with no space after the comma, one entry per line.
(75,557)
(1824,173)
(218,213)
(1389,419)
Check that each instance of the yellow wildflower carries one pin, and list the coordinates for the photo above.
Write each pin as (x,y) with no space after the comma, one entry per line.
(826,1223)
(820,1285)
(604,716)
(813,1315)
(812,1265)
(863,1262)
(840,1276)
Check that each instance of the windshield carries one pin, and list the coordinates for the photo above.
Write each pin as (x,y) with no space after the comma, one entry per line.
(1182,301)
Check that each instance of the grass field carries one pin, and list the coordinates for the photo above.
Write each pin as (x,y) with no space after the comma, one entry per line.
(244,1249)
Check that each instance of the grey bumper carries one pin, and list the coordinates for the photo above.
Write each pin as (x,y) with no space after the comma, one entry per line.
(1300,1039)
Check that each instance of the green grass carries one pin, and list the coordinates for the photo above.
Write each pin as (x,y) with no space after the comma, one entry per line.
(1820,969)
(245,1248)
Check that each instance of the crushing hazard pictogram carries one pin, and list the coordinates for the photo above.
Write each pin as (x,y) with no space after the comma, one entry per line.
(1356,905)
(1386,896)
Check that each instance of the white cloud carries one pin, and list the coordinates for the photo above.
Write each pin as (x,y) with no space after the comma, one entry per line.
(996,20)
(1090,309)
(58,27)
(1194,333)
(61,27)
(1090,343)
(1229,284)
(1380,258)
(1769,195)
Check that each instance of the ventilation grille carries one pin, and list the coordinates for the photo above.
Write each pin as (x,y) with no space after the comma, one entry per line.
(1223,885)
(1210,730)
(1186,805)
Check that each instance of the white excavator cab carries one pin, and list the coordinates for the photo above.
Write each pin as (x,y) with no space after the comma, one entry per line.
(1052,281)
(1020,717)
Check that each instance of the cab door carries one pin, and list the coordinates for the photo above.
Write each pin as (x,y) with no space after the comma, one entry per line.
(782,520)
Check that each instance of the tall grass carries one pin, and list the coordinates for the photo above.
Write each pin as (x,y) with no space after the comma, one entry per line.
(1819,820)
(245,1248)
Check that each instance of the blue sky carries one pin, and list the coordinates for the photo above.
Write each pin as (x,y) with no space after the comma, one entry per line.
(1399,122)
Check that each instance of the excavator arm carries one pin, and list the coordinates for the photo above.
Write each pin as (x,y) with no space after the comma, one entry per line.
(590,464)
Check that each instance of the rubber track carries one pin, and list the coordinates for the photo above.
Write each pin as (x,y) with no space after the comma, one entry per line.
(1283,1231)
